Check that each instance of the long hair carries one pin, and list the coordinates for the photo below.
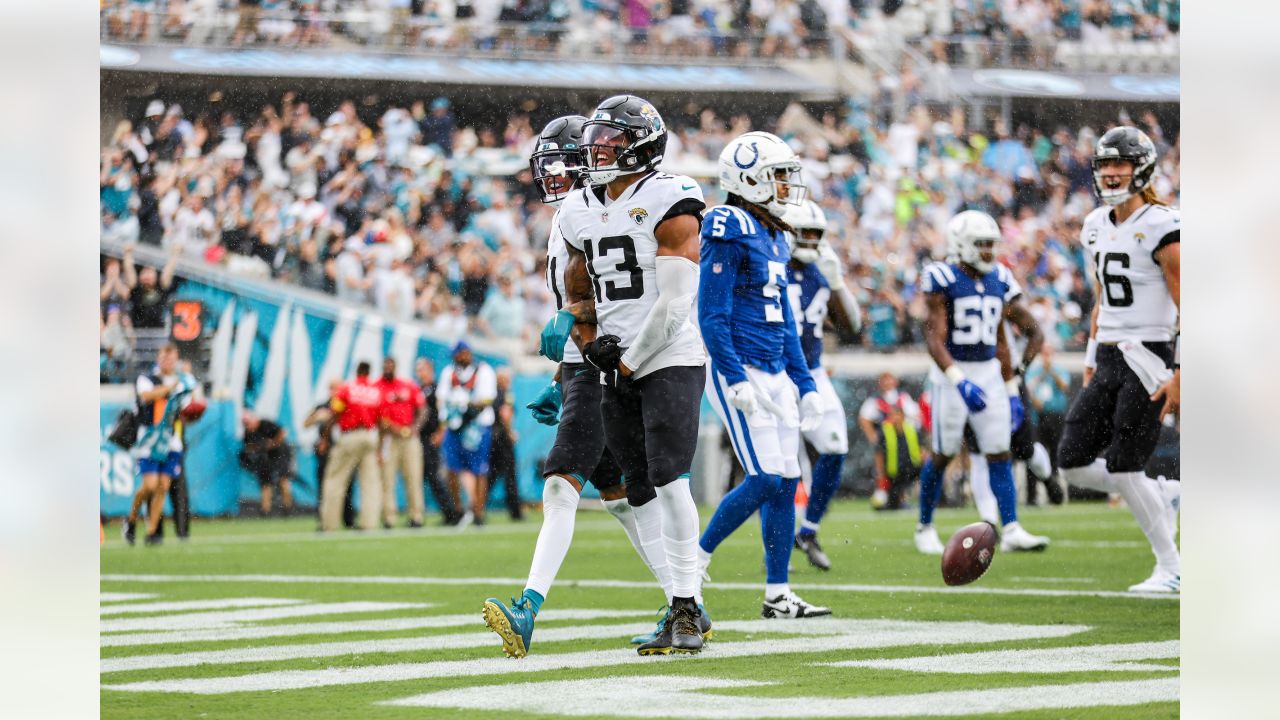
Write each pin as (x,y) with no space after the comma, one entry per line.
(1150,196)
(765,217)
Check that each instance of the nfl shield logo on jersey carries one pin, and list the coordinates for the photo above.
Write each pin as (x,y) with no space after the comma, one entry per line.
(604,216)
(715,267)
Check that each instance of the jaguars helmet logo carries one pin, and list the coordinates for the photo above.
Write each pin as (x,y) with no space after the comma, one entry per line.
(638,214)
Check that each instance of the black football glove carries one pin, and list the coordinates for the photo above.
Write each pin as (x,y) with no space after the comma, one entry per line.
(604,352)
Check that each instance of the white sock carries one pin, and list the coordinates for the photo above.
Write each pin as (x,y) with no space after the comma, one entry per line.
(1171,492)
(1039,462)
(626,516)
(1148,506)
(773,590)
(559,511)
(648,520)
(809,525)
(680,536)
(980,485)
(1092,477)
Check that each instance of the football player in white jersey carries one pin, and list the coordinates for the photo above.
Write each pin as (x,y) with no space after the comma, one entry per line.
(633,239)
(579,454)
(817,285)
(967,300)
(1131,363)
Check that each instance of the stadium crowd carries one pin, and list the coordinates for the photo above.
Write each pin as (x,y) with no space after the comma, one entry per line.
(735,28)
(424,217)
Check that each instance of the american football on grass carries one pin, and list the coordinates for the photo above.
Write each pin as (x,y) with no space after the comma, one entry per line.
(193,410)
(968,553)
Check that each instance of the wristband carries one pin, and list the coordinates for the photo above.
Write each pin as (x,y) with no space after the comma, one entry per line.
(1177,351)
(954,374)
(1011,386)
(1091,353)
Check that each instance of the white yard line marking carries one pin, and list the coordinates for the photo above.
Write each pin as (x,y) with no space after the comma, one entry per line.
(352,626)
(182,605)
(1040,578)
(275,653)
(755,587)
(229,618)
(634,697)
(1080,658)
(108,597)
(852,634)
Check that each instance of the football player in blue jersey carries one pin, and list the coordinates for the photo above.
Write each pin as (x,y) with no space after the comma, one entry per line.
(966,301)
(757,369)
(816,286)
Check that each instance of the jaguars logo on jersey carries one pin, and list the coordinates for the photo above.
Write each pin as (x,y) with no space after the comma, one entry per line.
(638,214)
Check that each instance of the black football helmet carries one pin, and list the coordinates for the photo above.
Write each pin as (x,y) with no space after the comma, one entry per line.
(557,159)
(1124,143)
(624,136)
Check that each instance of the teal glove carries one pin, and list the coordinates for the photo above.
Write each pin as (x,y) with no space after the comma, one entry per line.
(555,334)
(546,407)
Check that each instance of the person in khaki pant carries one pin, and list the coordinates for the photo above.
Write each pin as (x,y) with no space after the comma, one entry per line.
(402,413)
(357,404)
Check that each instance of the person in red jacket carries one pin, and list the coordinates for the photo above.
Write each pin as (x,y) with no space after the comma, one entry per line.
(358,404)
(400,420)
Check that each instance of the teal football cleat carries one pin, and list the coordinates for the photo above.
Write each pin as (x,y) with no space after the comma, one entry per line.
(651,636)
(514,625)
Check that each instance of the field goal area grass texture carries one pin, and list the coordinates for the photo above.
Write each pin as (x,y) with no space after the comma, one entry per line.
(268,619)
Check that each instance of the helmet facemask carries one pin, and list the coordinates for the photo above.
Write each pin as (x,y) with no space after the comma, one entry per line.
(787,188)
(556,173)
(972,250)
(609,153)
(806,244)
(1123,144)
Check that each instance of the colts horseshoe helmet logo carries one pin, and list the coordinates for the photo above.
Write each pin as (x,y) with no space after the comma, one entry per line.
(638,214)
(755,155)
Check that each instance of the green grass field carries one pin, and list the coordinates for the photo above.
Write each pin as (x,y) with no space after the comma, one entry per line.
(267,619)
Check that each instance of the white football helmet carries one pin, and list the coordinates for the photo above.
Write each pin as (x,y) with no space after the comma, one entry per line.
(762,169)
(969,234)
(801,218)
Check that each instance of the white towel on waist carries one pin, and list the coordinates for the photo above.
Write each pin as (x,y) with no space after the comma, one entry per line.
(1148,366)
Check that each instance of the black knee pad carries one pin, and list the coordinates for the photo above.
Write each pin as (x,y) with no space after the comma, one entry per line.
(640,493)
(1122,459)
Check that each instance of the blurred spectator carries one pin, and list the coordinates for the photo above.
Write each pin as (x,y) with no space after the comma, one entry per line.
(356,404)
(432,434)
(502,454)
(438,126)
(402,415)
(899,457)
(467,391)
(324,419)
(874,410)
(1048,388)
(502,314)
(149,291)
(267,454)
(116,346)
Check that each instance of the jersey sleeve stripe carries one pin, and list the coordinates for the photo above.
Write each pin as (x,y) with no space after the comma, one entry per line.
(745,223)
(1169,239)
(947,272)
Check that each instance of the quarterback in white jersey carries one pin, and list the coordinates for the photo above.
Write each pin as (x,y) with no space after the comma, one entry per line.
(1131,364)
(634,249)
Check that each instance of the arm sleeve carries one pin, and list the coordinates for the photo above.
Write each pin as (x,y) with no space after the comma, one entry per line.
(719,262)
(677,291)
(797,368)
(869,411)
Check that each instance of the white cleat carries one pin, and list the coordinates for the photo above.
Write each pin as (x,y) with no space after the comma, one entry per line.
(927,540)
(790,605)
(1015,539)
(1161,581)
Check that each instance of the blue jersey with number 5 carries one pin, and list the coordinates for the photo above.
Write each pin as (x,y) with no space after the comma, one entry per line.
(742,298)
(974,307)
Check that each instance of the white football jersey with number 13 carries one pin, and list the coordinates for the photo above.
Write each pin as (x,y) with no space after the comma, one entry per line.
(618,239)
